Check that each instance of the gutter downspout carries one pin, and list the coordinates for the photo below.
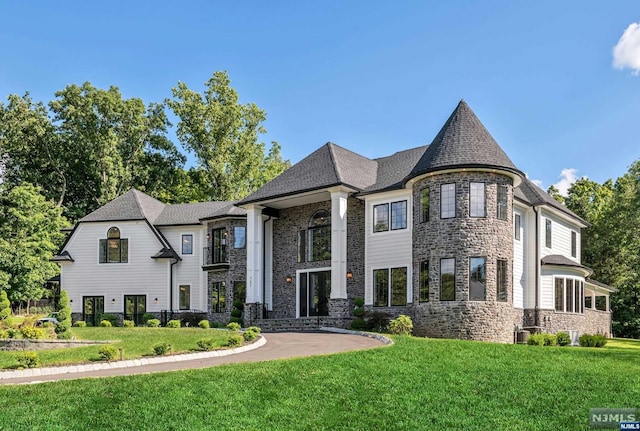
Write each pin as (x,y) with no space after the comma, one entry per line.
(264,267)
(536,315)
(173,262)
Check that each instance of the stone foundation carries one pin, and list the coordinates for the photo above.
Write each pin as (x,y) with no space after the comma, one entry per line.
(591,322)
(340,308)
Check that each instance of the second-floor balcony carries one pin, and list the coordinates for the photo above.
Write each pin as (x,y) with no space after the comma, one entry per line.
(215,258)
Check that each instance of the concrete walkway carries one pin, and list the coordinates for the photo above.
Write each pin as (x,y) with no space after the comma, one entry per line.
(279,345)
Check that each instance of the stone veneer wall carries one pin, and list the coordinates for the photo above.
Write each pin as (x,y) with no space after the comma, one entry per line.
(591,322)
(285,242)
(237,270)
(461,238)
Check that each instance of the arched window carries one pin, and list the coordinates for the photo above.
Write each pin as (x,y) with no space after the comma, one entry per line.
(314,244)
(114,249)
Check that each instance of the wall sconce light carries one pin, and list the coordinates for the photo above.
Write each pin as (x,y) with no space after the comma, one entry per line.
(113,301)
(208,236)
(289,279)
(71,301)
(349,275)
(155,301)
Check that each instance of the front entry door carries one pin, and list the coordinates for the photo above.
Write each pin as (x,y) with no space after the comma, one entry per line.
(92,309)
(314,289)
(134,308)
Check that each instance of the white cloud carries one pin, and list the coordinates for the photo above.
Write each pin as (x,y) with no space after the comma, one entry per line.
(537,183)
(626,53)
(567,178)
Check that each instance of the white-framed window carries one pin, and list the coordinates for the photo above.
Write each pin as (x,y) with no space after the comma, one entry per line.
(477,200)
(390,287)
(187,244)
(568,295)
(448,200)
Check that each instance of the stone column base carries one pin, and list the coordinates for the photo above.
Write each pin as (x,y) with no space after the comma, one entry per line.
(339,307)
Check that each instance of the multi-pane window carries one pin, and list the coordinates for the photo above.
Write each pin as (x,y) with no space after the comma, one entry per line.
(239,237)
(448,200)
(187,244)
(113,249)
(501,280)
(424,205)
(547,233)
(447,279)
(502,202)
(569,295)
(134,308)
(218,295)
(92,309)
(477,279)
(517,226)
(315,243)
(424,281)
(219,245)
(396,212)
(574,244)
(477,200)
(390,287)
(185,297)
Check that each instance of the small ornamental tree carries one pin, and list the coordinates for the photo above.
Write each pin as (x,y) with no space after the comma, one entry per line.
(5,306)
(64,314)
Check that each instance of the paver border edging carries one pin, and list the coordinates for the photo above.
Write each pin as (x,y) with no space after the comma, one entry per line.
(80,368)
(379,337)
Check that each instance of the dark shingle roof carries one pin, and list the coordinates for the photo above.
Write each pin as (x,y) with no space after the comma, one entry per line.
(599,284)
(328,166)
(560,260)
(531,194)
(392,170)
(166,253)
(133,205)
(463,142)
(184,214)
(62,257)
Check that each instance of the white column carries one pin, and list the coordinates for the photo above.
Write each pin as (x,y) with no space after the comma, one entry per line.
(254,254)
(593,300)
(268,264)
(338,244)
(608,303)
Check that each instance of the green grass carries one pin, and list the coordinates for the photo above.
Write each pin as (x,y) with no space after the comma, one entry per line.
(622,343)
(136,342)
(416,384)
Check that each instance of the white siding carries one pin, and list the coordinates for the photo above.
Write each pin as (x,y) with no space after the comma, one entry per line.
(142,275)
(519,270)
(547,290)
(391,249)
(560,236)
(189,270)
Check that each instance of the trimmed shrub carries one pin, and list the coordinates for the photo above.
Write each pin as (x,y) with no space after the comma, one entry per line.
(110,318)
(28,360)
(377,320)
(107,353)
(236,312)
(31,333)
(191,320)
(237,303)
(358,325)
(255,329)
(249,335)
(359,302)
(4,334)
(153,323)
(600,340)
(596,340)
(234,340)
(5,306)
(549,340)
(105,324)
(64,313)
(204,324)
(147,316)
(13,333)
(402,325)
(173,324)
(66,335)
(563,338)
(128,323)
(358,312)
(80,324)
(206,344)
(536,340)
(161,349)
(233,326)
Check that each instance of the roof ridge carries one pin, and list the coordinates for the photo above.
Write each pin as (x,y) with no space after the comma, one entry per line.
(137,201)
(334,160)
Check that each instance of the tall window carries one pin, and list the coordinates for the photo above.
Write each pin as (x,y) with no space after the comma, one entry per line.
(559,294)
(516,226)
(398,216)
(447,279)
(569,295)
(134,308)
(547,233)
(424,205)
(501,280)
(219,245)
(390,287)
(448,200)
(574,244)
(185,297)
(476,200)
(502,202)
(477,279)
(187,244)
(239,237)
(319,237)
(568,289)
(92,309)
(114,249)
(218,295)
(239,291)
(424,281)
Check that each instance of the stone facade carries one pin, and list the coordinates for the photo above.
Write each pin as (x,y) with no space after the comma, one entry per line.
(591,322)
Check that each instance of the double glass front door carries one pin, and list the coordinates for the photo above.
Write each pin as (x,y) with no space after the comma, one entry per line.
(314,289)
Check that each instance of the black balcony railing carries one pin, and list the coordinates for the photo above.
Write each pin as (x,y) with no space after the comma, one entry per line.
(215,257)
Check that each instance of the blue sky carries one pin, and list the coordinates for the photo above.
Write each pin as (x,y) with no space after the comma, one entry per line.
(374,77)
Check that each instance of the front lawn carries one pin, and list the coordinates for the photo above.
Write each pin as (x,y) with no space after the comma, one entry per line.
(416,384)
(136,343)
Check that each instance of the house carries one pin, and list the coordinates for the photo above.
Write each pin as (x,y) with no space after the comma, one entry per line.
(452,234)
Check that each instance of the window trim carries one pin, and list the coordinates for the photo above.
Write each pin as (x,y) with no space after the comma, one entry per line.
(182,238)
(454,279)
(217,287)
(389,288)
(375,218)
(471,277)
(188,290)
(472,200)
(103,247)
(502,281)
(311,229)
(424,209)
(574,243)
(577,298)
(455,203)
(235,237)
(219,253)
(548,233)
(390,207)
(517,226)
(505,188)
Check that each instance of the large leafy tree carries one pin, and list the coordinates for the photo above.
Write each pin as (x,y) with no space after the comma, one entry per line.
(223,135)
(30,233)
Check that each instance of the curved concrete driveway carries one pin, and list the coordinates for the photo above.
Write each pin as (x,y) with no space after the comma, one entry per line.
(279,345)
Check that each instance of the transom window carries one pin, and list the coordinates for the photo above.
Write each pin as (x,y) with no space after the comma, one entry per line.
(569,295)
(187,244)
(424,281)
(390,287)
(113,249)
(477,279)
(502,202)
(314,244)
(448,279)
(424,205)
(448,200)
(477,200)
(396,212)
